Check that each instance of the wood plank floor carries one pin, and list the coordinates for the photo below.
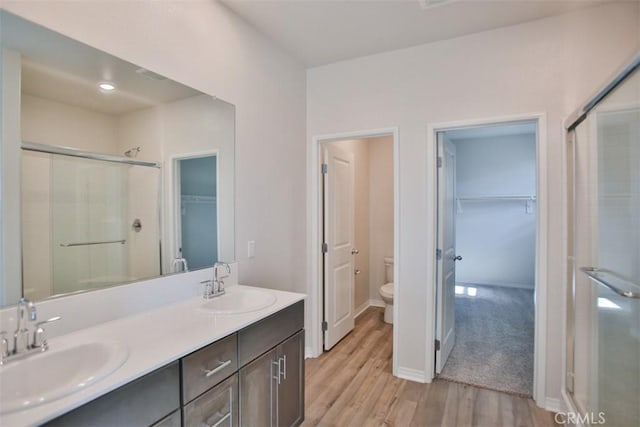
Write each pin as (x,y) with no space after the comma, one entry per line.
(352,385)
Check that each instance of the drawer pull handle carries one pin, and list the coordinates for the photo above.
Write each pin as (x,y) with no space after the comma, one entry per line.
(276,363)
(221,420)
(220,367)
(284,368)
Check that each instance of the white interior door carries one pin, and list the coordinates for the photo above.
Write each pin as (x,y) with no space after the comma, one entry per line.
(445,320)
(338,178)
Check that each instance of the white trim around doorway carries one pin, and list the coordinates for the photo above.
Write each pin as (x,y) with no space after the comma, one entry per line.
(314,230)
(541,268)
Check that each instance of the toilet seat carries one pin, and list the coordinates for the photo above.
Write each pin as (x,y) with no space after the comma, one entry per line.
(386,290)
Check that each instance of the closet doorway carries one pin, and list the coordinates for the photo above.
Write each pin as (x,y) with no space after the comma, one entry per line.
(196,211)
(486,255)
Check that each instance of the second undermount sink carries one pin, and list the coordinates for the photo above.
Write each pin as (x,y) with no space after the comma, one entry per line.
(239,300)
(58,372)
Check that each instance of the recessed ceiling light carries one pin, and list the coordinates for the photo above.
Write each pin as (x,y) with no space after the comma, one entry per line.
(107,86)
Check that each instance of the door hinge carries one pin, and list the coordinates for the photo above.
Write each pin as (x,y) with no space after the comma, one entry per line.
(325,248)
(325,326)
(325,168)
(439,162)
(437,345)
(438,254)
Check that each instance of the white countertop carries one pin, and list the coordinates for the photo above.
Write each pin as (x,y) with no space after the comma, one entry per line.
(154,339)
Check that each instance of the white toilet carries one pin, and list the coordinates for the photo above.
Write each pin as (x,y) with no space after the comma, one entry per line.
(386,290)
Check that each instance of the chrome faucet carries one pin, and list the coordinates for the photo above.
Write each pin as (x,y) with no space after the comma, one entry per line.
(22,345)
(180,265)
(215,288)
(21,334)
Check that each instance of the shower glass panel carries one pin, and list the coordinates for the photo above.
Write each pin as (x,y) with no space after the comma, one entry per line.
(89,213)
(603,352)
(80,214)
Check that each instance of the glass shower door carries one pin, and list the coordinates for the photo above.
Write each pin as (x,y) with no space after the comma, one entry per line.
(603,352)
(89,210)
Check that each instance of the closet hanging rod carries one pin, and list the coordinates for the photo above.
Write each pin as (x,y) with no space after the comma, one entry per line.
(490,198)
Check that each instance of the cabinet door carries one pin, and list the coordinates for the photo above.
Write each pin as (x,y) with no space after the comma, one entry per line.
(217,407)
(258,393)
(291,382)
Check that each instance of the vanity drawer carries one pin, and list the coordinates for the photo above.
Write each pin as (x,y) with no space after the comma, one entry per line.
(216,408)
(265,334)
(139,403)
(207,367)
(173,420)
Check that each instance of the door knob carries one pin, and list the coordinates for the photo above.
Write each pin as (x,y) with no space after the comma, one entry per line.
(457,258)
(354,252)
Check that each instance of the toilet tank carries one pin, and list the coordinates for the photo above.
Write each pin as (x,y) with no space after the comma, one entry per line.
(388,269)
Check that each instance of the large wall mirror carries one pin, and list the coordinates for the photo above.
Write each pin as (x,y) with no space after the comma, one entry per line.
(111,173)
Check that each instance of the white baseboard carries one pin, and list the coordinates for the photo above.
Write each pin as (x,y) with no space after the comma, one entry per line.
(501,285)
(413,375)
(308,354)
(555,405)
(370,303)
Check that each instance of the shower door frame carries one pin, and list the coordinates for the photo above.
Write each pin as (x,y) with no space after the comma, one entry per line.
(570,126)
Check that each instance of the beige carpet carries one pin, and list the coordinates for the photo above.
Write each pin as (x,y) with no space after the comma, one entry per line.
(494,340)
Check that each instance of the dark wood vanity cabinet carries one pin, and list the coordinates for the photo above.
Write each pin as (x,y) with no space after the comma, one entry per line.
(272,386)
(142,402)
(272,376)
(254,377)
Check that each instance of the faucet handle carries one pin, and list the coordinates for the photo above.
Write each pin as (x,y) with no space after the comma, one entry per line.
(39,339)
(216,270)
(4,349)
(208,288)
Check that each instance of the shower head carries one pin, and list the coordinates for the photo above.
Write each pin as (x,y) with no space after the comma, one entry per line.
(133,152)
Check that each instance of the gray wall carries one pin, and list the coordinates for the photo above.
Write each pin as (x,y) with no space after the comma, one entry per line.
(496,238)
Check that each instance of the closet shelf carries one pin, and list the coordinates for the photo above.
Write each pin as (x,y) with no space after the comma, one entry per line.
(528,199)
(198,199)
(496,198)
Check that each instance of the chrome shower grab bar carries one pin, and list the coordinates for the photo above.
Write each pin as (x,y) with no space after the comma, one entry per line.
(69,245)
(597,274)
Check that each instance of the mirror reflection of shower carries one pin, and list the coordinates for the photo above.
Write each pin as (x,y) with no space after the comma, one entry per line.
(78,208)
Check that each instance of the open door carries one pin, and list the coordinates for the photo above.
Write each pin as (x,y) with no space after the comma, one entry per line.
(446,252)
(338,250)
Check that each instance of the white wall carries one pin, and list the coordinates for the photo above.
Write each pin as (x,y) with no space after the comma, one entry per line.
(204,45)
(193,126)
(10,192)
(496,238)
(54,123)
(546,66)
(380,210)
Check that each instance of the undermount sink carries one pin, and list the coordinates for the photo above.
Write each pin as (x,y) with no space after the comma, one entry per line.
(60,371)
(240,300)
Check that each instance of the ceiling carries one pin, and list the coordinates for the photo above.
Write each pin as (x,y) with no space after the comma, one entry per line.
(319,32)
(57,68)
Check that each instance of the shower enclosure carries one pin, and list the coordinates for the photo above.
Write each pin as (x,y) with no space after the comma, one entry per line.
(89,220)
(603,293)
